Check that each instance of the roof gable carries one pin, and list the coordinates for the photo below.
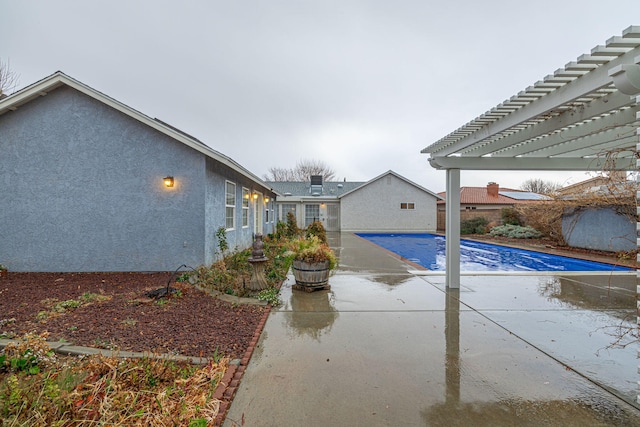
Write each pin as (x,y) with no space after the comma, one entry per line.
(402,178)
(58,79)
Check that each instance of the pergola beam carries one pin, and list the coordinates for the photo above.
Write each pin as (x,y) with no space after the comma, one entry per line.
(532,163)
(591,82)
(595,108)
(583,130)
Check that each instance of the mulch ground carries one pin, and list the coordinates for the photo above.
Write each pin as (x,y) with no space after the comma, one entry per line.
(189,323)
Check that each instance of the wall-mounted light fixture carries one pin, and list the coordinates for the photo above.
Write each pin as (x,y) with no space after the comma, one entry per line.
(168,181)
(255,196)
(266,200)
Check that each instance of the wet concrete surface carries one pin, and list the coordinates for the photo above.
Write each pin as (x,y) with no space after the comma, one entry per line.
(386,347)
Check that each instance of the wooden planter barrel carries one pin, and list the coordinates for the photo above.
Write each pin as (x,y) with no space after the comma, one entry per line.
(311,274)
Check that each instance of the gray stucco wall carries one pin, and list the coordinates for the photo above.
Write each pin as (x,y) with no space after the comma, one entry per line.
(82,190)
(601,229)
(240,237)
(376,207)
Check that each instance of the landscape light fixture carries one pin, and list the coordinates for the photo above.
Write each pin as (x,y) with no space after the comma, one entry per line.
(168,181)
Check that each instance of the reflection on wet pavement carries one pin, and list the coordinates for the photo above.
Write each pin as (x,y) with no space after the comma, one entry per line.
(300,310)
(384,347)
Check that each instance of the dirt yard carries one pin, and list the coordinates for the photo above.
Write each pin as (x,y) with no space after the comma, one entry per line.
(110,310)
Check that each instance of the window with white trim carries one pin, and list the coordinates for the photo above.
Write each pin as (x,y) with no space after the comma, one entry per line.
(311,214)
(407,205)
(230,206)
(245,207)
(286,208)
(273,211)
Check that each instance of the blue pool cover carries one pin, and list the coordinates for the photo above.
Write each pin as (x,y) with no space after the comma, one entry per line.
(428,250)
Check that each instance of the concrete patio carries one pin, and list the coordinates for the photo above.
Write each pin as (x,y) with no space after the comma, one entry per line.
(390,346)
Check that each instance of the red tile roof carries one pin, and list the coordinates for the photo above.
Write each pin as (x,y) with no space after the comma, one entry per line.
(480,196)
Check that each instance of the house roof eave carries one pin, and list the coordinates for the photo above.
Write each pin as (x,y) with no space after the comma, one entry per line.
(57,79)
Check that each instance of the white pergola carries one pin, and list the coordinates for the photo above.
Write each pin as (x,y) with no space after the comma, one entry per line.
(583,117)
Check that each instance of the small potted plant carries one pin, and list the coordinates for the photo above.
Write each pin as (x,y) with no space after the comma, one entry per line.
(3,271)
(313,261)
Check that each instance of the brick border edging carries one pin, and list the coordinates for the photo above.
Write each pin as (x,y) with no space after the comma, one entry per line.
(228,386)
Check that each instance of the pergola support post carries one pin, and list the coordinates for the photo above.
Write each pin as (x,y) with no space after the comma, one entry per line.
(452,232)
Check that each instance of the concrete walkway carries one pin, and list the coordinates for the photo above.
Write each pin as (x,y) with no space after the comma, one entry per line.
(388,347)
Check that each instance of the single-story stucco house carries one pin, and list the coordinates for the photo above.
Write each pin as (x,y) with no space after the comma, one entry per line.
(387,203)
(90,184)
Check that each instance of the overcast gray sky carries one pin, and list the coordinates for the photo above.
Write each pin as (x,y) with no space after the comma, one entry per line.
(361,85)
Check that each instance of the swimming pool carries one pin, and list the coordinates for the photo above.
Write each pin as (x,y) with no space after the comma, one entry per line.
(428,250)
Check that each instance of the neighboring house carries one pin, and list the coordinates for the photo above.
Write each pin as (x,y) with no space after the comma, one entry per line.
(387,203)
(486,202)
(83,187)
(595,182)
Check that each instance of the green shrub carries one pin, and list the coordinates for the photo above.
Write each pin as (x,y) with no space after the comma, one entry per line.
(474,226)
(316,229)
(221,237)
(515,231)
(510,216)
(292,225)
(270,295)
(311,249)
(281,230)
(278,264)
(230,274)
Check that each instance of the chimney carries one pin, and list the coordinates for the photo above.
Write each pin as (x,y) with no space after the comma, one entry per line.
(492,189)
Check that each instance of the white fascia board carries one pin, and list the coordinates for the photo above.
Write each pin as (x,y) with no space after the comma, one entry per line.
(289,199)
(318,199)
(33,91)
(590,82)
(530,163)
(57,79)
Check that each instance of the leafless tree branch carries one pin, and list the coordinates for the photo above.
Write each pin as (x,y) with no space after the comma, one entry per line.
(301,172)
(8,79)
